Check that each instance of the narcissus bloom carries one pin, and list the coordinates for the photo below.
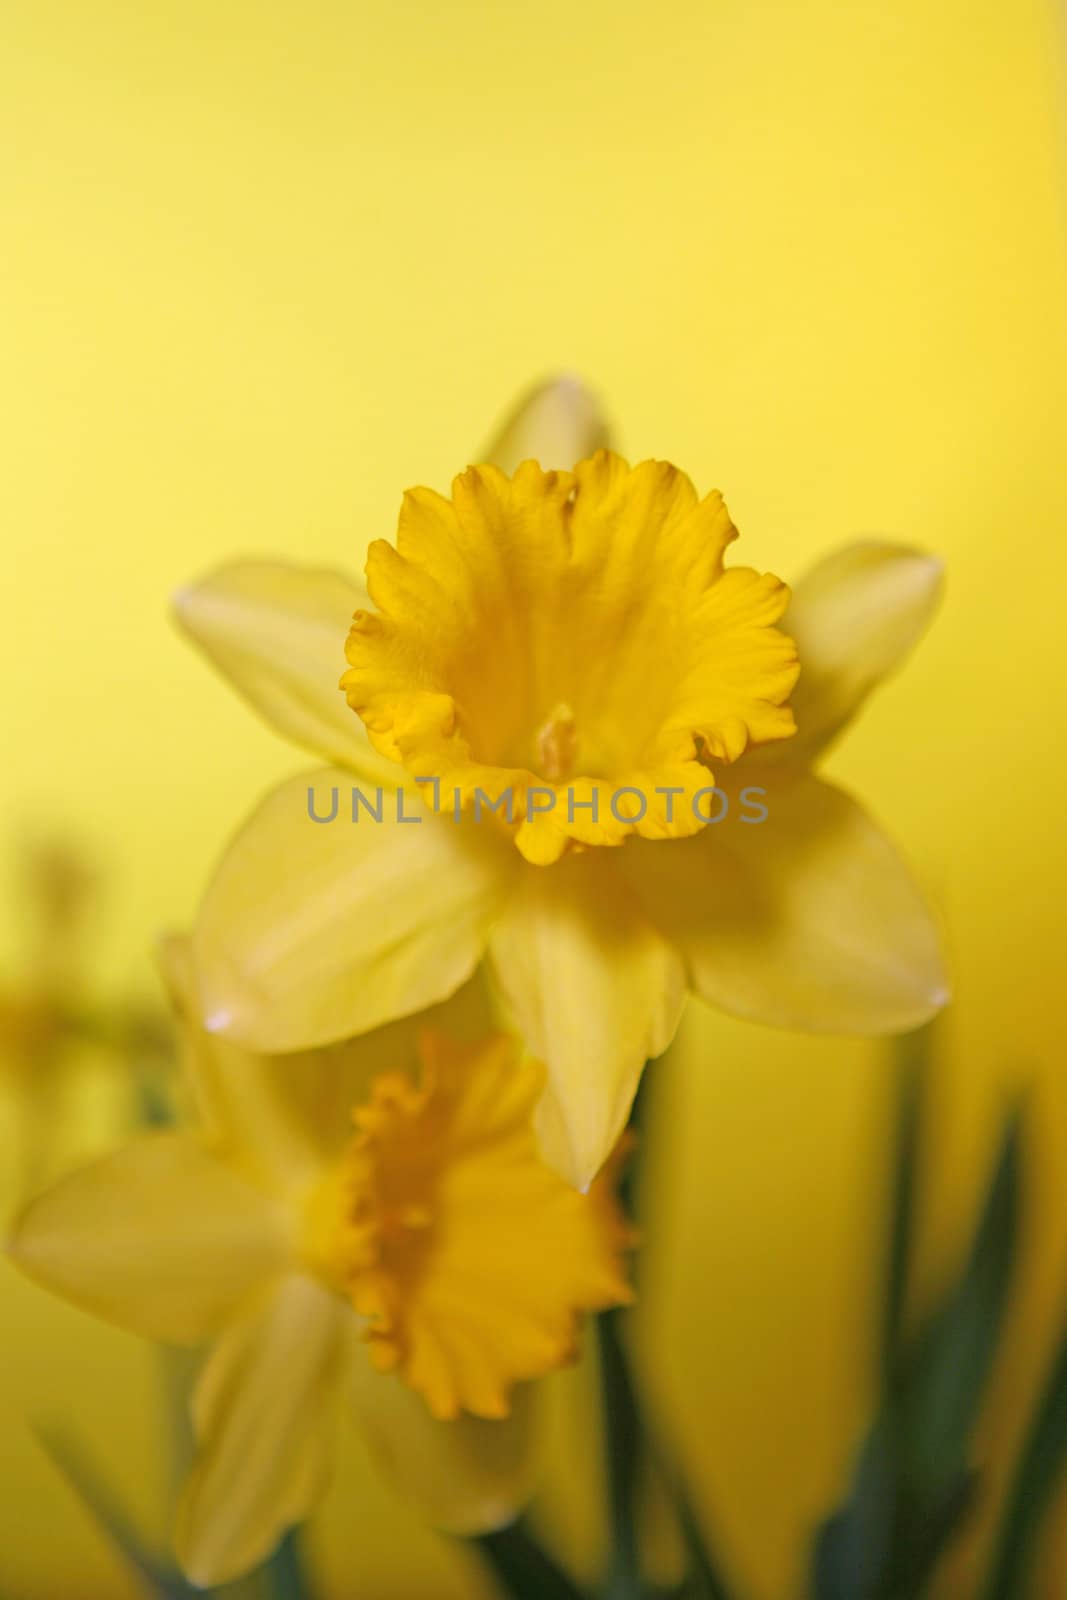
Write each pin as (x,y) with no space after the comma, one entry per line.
(564,660)
(557,639)
(371,1223)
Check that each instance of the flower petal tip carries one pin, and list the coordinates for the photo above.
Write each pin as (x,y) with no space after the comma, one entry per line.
(568,383)
(180,600)
(199,1578)
(934,567)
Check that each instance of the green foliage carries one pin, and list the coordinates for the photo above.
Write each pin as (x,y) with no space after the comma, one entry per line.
(1040,1470)
(523,1568)
(916,1477)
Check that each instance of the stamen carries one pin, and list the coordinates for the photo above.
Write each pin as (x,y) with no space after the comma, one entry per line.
(415,1216)
(557,745)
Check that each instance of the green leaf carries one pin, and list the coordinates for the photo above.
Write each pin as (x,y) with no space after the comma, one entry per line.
(631,1446)
(946,1376)
(75,1466)
(624,1448)
(913,1064)
(928,1536)
(913,1485)
(522,1567)
(284,1576)
(854,1547)
(706,1580)
(1041,1466)
(631,1449)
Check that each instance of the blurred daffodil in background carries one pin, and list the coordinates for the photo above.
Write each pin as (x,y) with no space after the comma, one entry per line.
(77,1065)
(350,1233)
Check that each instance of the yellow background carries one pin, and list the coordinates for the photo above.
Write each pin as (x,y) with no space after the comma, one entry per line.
(263,266)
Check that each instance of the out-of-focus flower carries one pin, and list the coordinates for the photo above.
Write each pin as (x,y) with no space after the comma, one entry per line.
(374,1217)
(556,422)
(578,630)
(75,1065)
(38,1007)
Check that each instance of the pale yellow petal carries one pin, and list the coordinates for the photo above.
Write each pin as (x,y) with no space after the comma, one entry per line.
(594,991)
(250,1104)
(277,632)
(807,920)
(313,931)
(556,423)
(284,1116)
(265,1411)
(162,1238)
(855,617)
(466,1476)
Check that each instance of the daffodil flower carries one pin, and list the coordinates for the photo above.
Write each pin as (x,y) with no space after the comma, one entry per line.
(372,1223)
(563,660)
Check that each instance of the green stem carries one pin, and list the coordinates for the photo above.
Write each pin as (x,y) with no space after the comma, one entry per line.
(285,1578)
(524,1570)
(631,1446)
(624,1451)
(912,1070)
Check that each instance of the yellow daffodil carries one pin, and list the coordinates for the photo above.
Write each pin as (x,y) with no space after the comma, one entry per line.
(556,639)
(372,1220)
(559,685)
